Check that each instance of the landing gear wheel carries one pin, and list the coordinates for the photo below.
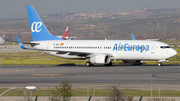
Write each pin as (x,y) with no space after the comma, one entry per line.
(159,64)
(89,64)
(109,64)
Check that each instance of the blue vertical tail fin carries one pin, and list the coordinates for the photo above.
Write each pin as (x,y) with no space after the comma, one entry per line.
(38,29)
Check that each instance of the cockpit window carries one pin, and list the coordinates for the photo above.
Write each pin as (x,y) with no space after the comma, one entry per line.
(164,47)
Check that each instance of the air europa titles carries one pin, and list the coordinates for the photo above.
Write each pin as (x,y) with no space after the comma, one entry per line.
(127,47)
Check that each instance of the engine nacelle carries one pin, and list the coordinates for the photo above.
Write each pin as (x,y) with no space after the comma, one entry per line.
(100,59)
(131,61)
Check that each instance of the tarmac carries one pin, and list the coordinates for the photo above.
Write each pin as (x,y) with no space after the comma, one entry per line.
(99,76)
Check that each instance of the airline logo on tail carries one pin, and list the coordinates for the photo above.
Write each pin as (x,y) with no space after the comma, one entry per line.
(35,27)
(65,34)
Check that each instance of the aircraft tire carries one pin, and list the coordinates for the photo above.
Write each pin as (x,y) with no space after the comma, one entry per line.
(109,64)
(89,64)
(159,64)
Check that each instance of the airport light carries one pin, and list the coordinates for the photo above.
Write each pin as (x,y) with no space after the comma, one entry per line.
(31,88)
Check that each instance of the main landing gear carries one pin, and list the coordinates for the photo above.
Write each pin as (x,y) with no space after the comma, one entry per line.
(109,64)
(89,64)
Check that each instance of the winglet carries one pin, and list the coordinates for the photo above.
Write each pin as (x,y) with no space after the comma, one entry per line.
(20,43)
(132,36)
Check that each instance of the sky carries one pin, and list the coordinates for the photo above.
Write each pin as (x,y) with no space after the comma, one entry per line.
(17,8)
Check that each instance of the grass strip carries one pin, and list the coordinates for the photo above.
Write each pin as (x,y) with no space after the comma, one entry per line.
(98,92)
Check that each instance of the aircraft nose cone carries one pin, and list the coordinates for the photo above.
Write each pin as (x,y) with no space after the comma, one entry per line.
(173,52)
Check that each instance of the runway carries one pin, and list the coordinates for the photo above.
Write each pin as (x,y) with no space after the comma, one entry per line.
(167,77)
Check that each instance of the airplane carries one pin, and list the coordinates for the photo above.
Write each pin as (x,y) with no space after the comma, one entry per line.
(94,51)
(2,41)
(65,37)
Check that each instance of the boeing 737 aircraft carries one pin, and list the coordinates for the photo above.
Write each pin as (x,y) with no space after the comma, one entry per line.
(94,51)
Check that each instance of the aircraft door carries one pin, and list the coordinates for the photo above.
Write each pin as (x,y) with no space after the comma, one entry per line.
(102,48)
(47,46)
(152,49)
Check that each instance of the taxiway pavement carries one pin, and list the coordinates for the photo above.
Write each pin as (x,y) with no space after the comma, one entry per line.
(143,77)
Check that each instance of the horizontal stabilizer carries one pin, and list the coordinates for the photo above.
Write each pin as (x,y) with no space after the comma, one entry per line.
(20,43)
(58,51)
(31,43)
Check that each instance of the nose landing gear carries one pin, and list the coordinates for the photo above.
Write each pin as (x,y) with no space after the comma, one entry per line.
(159,64)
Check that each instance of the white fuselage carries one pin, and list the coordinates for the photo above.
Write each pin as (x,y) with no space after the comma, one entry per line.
(118,49)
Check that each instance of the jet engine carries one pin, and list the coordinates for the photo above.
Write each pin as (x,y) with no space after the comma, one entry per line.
(100,59)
